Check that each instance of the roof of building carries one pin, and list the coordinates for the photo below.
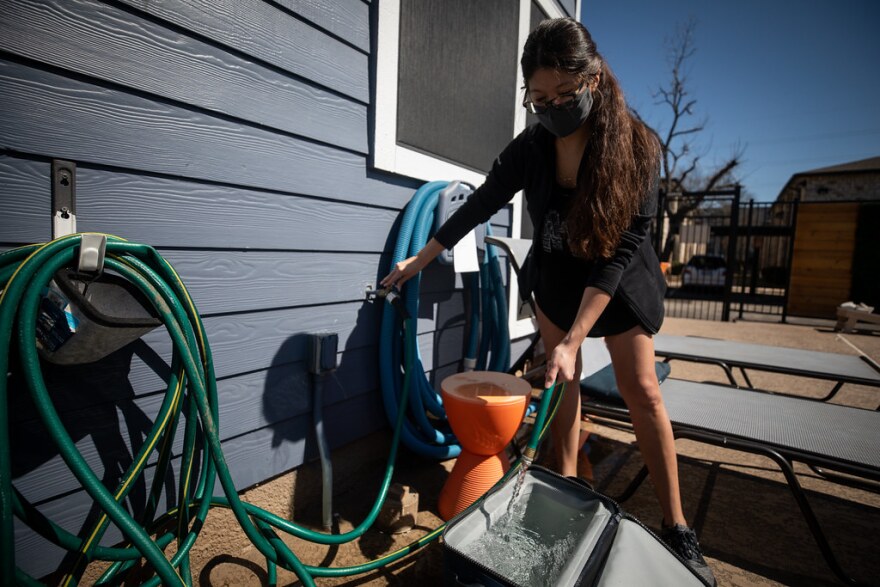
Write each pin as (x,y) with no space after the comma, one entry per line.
(870,164)
(860,166)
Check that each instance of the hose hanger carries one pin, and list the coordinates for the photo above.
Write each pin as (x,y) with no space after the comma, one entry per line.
(92,249)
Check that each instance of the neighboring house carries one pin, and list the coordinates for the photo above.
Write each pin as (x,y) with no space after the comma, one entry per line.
(695,232)
(266,148)
(693,239)
(836,253)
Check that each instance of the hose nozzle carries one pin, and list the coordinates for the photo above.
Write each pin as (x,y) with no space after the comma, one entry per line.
(539,425)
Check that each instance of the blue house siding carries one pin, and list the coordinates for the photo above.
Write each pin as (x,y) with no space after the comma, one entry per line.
(131,131)
(25,213)
(233,136)
(114,45)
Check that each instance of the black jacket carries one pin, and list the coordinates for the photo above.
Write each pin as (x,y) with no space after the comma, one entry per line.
(528,163)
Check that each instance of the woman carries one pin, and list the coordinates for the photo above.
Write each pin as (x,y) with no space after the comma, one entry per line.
(589,171)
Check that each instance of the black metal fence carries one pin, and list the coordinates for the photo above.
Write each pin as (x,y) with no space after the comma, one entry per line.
(723,257)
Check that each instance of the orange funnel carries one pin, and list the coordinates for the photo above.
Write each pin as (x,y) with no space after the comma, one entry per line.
(485,409)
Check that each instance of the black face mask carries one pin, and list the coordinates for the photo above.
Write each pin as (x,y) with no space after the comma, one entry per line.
(566,119)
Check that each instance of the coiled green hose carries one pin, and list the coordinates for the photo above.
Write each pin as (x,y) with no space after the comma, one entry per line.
(24,272)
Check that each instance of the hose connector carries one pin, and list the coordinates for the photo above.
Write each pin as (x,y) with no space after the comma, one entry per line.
(377,294)
(390,294)
(528,456)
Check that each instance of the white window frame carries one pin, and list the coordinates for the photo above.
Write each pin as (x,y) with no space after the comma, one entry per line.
(390,156)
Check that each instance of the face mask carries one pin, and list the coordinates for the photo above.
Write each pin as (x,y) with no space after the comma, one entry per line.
(565,120)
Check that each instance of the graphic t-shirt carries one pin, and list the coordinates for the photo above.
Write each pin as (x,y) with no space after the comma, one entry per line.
(554,234)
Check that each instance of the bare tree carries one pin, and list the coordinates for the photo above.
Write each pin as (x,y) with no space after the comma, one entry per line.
(682,170)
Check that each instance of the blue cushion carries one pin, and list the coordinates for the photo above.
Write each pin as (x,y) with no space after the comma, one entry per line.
(602,385)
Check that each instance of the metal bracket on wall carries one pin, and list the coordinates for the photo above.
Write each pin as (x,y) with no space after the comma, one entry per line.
(63,198)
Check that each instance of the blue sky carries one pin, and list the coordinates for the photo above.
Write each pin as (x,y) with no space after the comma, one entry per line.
(795,84)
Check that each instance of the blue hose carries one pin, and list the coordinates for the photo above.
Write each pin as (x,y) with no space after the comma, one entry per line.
(501,347)
(426,431)
(391,343)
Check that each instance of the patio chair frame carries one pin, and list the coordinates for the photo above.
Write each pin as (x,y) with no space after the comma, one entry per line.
(869,377)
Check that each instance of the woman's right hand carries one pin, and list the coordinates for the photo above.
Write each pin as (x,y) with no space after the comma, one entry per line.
(402,272)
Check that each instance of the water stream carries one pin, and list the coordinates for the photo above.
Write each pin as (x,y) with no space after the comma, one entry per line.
(518,486)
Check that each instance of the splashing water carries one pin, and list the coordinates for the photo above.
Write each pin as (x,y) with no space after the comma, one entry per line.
(525,551)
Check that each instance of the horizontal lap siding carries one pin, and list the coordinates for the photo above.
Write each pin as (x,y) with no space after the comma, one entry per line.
(134,132)
(263,33)
(26,201)
(233,136)
(348,23)
(170,212)
(114,45)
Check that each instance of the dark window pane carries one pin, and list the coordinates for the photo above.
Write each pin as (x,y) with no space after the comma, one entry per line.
(457,78)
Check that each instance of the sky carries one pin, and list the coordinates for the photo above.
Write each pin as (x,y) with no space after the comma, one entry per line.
(794,84)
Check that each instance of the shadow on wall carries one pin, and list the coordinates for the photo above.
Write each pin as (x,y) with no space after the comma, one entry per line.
(352,401)
(446,302)
(351,405)
(102,415)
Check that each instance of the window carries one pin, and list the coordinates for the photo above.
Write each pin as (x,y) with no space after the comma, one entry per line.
(455,96)
(448,95)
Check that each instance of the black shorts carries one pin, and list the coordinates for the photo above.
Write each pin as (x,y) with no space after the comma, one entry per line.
(559,292)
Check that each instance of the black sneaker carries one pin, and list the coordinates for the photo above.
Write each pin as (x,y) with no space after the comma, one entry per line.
(683,541)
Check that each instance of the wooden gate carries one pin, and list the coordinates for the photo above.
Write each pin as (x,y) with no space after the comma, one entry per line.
(821,268)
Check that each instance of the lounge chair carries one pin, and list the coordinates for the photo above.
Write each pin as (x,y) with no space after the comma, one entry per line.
(841,442)
(856,369)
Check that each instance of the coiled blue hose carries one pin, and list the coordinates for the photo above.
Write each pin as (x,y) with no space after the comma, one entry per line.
(426,431)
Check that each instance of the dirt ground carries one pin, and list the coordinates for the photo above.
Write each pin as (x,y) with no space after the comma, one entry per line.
(749,525)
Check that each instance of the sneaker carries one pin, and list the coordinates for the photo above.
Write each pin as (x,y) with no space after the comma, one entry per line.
(683,541)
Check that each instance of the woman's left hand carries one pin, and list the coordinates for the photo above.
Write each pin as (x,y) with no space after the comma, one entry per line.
(561,364)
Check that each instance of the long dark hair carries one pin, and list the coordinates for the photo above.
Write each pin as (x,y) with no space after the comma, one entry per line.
(622,156)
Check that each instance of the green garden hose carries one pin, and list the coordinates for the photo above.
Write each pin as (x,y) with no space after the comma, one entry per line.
(192,388)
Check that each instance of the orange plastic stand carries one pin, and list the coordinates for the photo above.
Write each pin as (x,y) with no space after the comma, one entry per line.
(485,409)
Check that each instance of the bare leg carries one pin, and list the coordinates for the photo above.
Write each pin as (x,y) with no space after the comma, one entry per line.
(565,427)
(632,354)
